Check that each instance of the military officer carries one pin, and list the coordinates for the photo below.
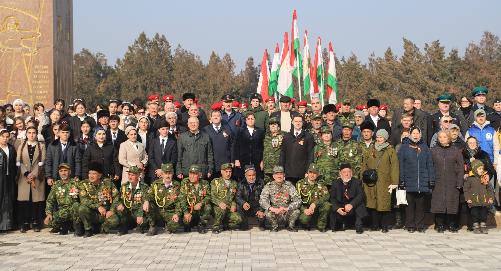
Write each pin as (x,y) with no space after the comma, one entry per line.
(315,200)
(345,114)
(347,150)
(164,201)
(324,157)
(272,147)
(280,201)
(98,200)
(61,207)
(195,200)
(222,194)
(316,127)
(134,204)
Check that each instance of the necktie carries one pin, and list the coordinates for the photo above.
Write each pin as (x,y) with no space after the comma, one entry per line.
(114,137)
(297,134)
(217,129)
(163,145)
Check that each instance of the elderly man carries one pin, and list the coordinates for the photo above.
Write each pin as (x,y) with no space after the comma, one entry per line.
(379,122)
(231,117)
(223,196)
(194,147)
(248,194)
(285,115)
(421,119)
(445,124)
(195,202)
(280,201)
(194,111)
(183,114)
(444,109)
(347,199)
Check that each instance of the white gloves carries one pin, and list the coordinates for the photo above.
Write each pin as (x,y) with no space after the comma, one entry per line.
(392,187)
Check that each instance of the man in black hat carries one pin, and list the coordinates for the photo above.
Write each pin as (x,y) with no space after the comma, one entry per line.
(188,101)
(367,129)
(331,120)
(347,199)
(495,117)
(374,117)
(285,115)
(261,115)
(231,117)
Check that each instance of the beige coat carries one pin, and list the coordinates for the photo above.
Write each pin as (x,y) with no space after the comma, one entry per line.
(129,156)
(36,168)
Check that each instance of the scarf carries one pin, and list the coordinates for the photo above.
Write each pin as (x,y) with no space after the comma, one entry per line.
(466,110)
(380,147)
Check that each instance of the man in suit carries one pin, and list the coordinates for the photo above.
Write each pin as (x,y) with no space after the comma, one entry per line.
(114,135)
(297,151)
(347,199)
(374,117)
(285,115)
(223,141)
(162,150)
(231,117)
(249,146)
(62,150)
(421,119)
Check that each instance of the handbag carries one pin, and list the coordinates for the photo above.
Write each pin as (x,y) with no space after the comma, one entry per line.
(401,196)
(369,176)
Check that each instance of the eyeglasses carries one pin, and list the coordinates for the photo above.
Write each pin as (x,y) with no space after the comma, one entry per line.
(447,121)
(140,112)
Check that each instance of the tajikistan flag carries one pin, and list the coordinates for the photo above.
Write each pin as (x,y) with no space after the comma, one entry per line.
(285,86)
(275,67)
(331,77)
(318,71)
(262,85)
(306,66)
(295,60)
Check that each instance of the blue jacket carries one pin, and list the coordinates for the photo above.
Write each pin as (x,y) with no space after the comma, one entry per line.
(235,120)
(416,168)
(485,136)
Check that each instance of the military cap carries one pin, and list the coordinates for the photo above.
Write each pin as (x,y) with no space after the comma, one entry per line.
(134,170)
(153,97)
(316,116)
(249,167)
(228,98)
(347,101)
(453,126)
(302,103)
(278,169)
(347,124)
(373,102)
(270,99)
(195,169)
(243,105)
(168,98)
(273,120)
(168,167)
(235,104)
(480,90)
(344,165)
(479,112)
(325,130)
(188,95)
(445,98)
(216,106)
(329,108)
(226,166)
(313,168)
(285,99)
(256,96)
(497,100)
(64,165)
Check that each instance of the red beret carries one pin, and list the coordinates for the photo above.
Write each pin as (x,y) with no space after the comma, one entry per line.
(153,97)
(168,98)
(293,100)
(177,104)
(270,99)
(235,104)
(302,103)
(216,106)
(338,106)
(383,107)
(364,106)
(243,105)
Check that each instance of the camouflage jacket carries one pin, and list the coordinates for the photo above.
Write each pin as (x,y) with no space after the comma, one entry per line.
(103,194)
(165,197)
(272,148)
(279,195)
(134,198)
(220,191)
(312,192)
(324,159)
(350,152)
(62,195)
(192,195)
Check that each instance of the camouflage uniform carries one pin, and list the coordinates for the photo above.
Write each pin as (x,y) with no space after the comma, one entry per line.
(349,151)
(191,195)
(347,117)
(324,160)
(280,195)
(314,192)
(92,196)
(164,204)
(62,203)
(224,191)
(271,154)
(133,199)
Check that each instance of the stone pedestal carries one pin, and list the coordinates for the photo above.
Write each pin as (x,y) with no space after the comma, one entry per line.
(36,50)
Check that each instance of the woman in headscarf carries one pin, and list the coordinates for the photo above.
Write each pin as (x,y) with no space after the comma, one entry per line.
(131,153)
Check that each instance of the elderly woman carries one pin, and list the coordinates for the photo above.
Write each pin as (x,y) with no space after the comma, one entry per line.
(417,176)
(30,184)
(143,134)
(449,172)
(175,128)
(382,158)
(18,105)
(131,153)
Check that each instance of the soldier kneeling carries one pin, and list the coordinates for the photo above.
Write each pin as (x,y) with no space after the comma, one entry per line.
(280,201)
(62,204)
(223,192)
(315,199)
(134,205)
(164,204)
(195,200)
(98,201)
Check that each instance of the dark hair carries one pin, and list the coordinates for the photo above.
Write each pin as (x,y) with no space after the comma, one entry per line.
(65,128)
(298,116)
(2,109)
(38,105)
(86,122)
(131,108)
(7,106)
(101,106)
(60,101)
(81,103)
(32,128)
(215,111)
(409,97)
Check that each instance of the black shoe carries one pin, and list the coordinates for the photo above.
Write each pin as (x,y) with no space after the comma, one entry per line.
(37,227)
(24,228)
(292,229)
(54,230)
(359,230)
(322,230)
(216,231)
(384,230)
(88,233)
(202,229)
(187,229)
(78,229)
(64,229)
(440,229)
(421,230)
(411,230)
(453,229)
(342,227)
(274,229)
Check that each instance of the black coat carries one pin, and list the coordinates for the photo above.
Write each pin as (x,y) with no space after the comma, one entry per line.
(482,156)
(157,157)
(183,116)
(296,154)
(244,195)
(457,118)
(75,125)
(278,115)
(106,156)
(355,194)
(223,143)
(249,149)
(421,119)
(54,157)
(121,138)
(7,188)
(149,138)
(495,119)
(382,123)
(47,134)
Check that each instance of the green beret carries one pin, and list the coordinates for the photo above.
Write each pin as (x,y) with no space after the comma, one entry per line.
(273,120)
(278,169)
(316,116)
(226,166)
(346,101)
(313,168)
(325,130)
(444,98)
(134,170)
(195,169)
(64,165)
(347,124)
(167,167)
(479,90)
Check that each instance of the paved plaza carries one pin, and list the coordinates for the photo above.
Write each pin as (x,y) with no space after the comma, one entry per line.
(254,250)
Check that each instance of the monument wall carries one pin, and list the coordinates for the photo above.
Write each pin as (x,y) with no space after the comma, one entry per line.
(36,50)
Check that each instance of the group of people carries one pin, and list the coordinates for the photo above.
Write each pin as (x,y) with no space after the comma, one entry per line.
(165,163)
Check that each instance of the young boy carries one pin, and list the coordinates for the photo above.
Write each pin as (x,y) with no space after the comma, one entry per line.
(479,195)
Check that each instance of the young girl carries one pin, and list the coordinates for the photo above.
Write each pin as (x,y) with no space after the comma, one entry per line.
(479,195)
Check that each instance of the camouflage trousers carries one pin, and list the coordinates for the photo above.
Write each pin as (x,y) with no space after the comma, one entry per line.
(65,214)
(128,218)
(202,216)
(221,216)
(321,215)
(92,217)
(157,214)
(288,218)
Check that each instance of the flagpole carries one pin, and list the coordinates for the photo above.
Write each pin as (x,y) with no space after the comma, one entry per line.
(323,86)
(298,74)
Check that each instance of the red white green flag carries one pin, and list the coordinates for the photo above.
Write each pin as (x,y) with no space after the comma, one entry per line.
(275,68)
(285,86)
(264,76)
(307,85)
(318,71)
(332,91)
